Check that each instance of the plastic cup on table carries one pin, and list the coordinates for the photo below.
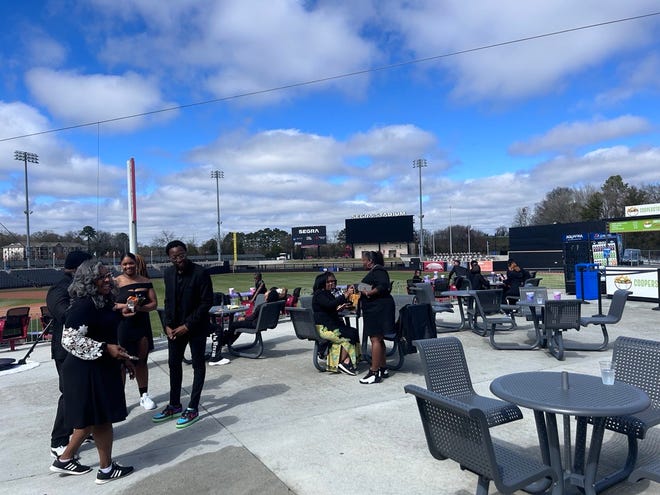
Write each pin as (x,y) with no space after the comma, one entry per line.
(530,296)
(539,300)
(607,372)
(557,296)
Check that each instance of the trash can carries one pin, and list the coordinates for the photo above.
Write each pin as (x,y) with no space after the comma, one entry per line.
(586,280)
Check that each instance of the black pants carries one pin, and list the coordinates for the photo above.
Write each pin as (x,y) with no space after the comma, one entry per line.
(61,432)
(231,334)
(176,348)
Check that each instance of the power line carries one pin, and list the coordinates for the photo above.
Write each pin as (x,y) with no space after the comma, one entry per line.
(335,77)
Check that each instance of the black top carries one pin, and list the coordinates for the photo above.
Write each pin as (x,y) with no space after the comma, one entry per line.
(188,297)
(478,281)
(515,279)
(378,310)
(586,395)
(138,325)
(324,305)
(57,301)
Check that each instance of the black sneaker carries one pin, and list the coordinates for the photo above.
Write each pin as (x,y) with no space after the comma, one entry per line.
(115,473)
(371,377)
(346,368)
(69,467)
(384,373)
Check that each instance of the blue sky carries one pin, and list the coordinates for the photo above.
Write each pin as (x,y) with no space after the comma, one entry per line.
(499,127)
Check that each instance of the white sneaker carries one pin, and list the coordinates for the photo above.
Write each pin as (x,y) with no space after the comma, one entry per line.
(147,402)
(219,362)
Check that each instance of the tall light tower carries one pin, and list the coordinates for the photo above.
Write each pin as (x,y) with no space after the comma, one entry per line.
(217,175)
(26,157)
(419,164)
(451,244)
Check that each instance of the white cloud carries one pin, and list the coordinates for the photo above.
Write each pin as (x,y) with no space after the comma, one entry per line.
(571,135)
(517,71)
(237,47)
(78,98)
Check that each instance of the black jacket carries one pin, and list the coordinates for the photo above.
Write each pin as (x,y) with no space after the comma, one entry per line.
(58,301)
(196,298)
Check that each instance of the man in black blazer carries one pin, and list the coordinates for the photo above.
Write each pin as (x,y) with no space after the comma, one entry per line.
(188,299)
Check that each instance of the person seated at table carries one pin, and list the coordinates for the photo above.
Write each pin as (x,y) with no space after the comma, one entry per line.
(457,274)
(250,321)
(259,287)
(416,279)
(343,353)
(477,280)
(515,279)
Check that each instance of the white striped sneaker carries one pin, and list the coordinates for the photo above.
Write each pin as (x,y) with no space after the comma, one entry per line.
(115,473)
(69,467)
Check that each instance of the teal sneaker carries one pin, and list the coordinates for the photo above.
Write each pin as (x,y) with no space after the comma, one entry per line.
(188,417)
(170,412)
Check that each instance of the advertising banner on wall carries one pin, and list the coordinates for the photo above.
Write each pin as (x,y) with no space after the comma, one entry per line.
(641,210)
(647,225)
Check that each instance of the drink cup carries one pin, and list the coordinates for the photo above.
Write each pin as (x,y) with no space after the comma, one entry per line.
(607,372)
(557,296)
(530,296)
(539,300)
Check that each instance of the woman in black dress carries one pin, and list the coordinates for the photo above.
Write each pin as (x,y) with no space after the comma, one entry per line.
(377,313)
(137,295)
(93,388)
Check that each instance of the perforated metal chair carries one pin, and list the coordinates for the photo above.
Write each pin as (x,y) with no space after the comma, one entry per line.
(636,362)
(488,307)
(612,317)
(305,328)
(446,372)
(269,317)
(459,431)
(424,294)
(560,316)
(650,471)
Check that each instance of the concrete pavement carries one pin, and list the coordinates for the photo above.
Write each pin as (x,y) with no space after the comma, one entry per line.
(275,425)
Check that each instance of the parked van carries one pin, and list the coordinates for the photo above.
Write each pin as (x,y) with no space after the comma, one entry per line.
(282,257)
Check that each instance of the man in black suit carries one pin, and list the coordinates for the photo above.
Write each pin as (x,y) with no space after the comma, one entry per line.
(57,302)
(188,299)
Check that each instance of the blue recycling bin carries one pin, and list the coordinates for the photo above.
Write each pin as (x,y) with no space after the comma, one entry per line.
(586,281)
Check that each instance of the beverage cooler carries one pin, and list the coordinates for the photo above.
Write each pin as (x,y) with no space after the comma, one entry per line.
(580,248)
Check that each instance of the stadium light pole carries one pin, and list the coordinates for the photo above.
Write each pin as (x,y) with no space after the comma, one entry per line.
(26,157)
(217,175)
(419,164)
(451,245)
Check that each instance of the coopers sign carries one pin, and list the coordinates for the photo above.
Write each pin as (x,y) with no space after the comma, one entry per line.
(309,236)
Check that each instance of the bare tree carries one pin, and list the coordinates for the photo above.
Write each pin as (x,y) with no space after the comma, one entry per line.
(559,206)
(522,217)
(164,237)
